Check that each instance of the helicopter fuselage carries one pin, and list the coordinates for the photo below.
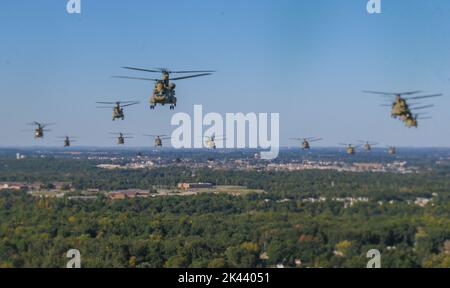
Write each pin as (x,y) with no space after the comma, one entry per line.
(163,93)
(39,133)
(118,113)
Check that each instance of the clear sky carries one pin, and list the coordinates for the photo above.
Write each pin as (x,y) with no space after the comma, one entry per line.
(307,60)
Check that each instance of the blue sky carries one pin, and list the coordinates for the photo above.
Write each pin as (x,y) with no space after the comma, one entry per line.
(307,60)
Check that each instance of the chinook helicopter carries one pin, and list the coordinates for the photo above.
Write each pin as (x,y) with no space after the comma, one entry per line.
(400,106)
(158,139)
(40,129)
(164,90)
(305,145)
(392,150)
(121,137)
(367,145)
(117,108)
(211,141)
(412,121)
(350,148)
(67,140)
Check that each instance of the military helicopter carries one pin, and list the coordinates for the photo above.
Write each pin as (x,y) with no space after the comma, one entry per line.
(392,150)
(164,90)
(67,140)
(158,139)
(306,142)
(350,148)
(211,141)
(412,121)
(40,129)
(400,106)
(117,108)
(367,145)
(121,137)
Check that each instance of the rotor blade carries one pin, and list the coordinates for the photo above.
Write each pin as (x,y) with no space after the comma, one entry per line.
(135,78)
(378,93)
(144,70)
(200,71)
(297,139)
(422,107)
(130,104)
(392,94)
(426,96)
(148,135)
(315,140)
(191,76)
(105,102)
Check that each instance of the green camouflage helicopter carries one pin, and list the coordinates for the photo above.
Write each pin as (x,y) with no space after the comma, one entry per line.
(39,130)
(158,139)
(117,108)
(121,137)
(306,142)
(164,90)
(367,145)
(400,106)
(392,150)
(350,148)
(67,140)
(412,121)
(211,141)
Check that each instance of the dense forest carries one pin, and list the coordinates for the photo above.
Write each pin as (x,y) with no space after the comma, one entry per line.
(209,230)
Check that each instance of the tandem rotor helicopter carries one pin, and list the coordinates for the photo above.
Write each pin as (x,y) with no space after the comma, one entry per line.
(158,139)
(67,140)
(164,90)
(392,150)
(367,145)
(305,145)
(40,129)
(350,148)
(117,108)
(211,141)
(121,137)
(401,108)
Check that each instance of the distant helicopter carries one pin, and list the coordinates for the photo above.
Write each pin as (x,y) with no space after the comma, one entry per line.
(118,108)
(211,141)
(350,148)
(392,150)
(67,140)
(40,129)
(367,145)
(158,139)
(121,137)
(306,142)
(164,90)
(404,110)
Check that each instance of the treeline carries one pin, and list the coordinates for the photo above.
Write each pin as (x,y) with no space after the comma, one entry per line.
(219,231)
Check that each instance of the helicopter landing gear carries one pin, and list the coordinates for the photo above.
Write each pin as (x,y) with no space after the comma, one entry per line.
(152,107)
(172,107)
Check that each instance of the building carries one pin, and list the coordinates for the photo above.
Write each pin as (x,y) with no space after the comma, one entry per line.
(13,186)
(128,194)
(186,186)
